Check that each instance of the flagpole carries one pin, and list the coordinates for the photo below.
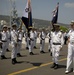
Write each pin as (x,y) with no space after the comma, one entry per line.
(29,14)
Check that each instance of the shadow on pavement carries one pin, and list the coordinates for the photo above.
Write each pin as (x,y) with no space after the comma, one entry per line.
(62,66)
(36,64)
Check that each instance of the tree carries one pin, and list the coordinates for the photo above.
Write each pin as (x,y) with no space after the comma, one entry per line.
(63,28)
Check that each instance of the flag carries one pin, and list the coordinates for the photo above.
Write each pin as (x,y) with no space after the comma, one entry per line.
(27,15)
(55,14)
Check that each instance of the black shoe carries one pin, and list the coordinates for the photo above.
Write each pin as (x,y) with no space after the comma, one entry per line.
(42,52)
(56,67)
(1,47)
(53,65)
(49,50)
(3,57)
(7,50)
(51,54)
(27,48)
(19,55)
(14,61)
(31,53)
(35,47)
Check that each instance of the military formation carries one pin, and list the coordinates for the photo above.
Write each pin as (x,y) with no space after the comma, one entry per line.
(13,36)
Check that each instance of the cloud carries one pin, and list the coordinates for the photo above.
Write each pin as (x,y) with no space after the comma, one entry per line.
(69,5)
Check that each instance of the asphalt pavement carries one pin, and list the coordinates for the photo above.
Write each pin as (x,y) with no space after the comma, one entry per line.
(37,64)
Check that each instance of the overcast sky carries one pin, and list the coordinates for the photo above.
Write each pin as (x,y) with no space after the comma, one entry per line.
(42,9)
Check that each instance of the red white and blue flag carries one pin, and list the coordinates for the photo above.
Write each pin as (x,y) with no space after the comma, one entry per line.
(27,15)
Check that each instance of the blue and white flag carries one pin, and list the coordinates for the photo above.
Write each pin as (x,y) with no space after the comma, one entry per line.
(55,14)
(27,15)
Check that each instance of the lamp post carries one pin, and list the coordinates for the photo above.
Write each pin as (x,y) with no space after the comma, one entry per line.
(13,12)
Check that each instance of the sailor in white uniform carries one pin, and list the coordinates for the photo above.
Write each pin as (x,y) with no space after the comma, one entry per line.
(14,37)
(57,43)
(4,42)
(70,56)
(42,40)
(31,41)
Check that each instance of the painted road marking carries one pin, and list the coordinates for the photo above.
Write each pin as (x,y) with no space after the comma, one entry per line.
(32,68)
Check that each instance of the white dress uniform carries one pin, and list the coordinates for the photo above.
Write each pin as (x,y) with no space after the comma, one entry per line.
(4,43)
(14,43)
(26,39)
(20,36)
(57,43)
(42,41)
(31,41)
(70,56)
(35,38)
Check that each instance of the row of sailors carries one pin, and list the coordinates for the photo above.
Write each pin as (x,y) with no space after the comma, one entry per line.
(16,41)
(31,40)
(13,37)
(55,39)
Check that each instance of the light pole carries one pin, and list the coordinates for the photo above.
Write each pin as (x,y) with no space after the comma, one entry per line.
(13,12)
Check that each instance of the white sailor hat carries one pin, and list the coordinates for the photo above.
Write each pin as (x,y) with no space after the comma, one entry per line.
(5,26)
(31,27)
(72,22)
(14,25)
(56,25)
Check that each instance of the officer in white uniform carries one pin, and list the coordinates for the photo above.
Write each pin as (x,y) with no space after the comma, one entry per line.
(57,43)
(42,40)
(31,41)
(19,41)
(4,42)
(14,38)
(70,56)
